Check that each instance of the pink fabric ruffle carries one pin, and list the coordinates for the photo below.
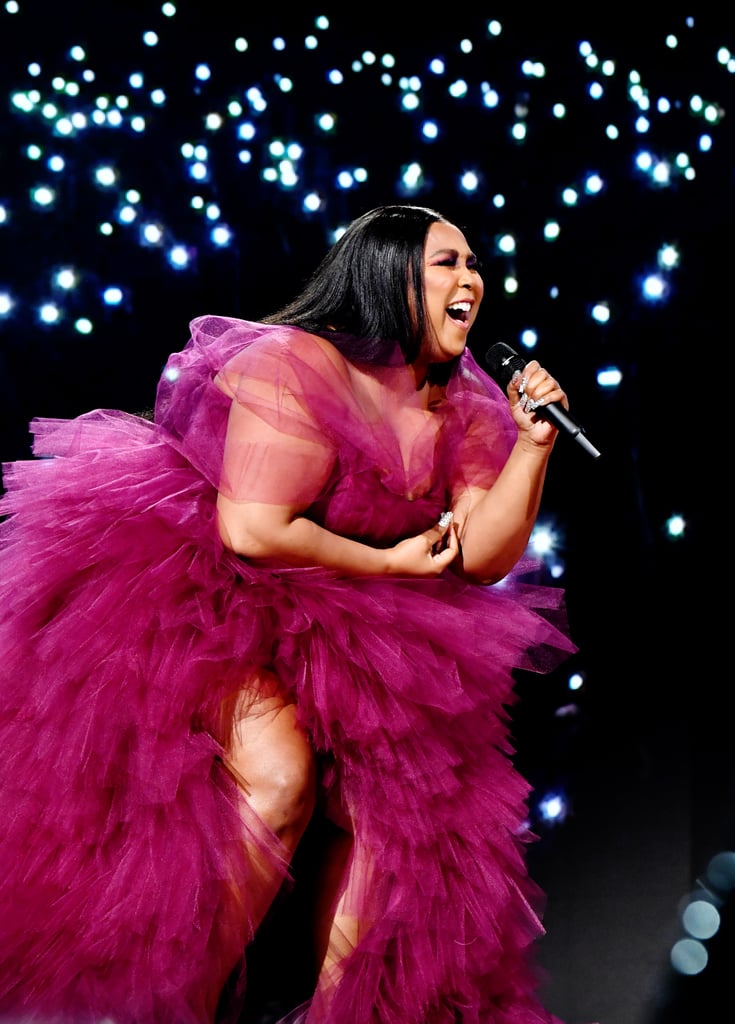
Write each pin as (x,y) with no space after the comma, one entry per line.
(125,628)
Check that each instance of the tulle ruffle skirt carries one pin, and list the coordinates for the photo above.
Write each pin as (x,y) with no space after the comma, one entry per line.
(126,628)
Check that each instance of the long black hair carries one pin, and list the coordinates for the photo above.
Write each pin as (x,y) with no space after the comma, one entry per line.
(367,293)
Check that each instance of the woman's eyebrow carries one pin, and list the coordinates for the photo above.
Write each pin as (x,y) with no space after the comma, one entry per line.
(451,252)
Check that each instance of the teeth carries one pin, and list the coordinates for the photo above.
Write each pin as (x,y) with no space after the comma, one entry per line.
(464,306)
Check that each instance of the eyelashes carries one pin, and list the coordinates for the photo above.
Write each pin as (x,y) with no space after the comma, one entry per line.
(473,264)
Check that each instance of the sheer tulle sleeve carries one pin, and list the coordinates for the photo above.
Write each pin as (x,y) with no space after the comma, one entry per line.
(279,448)
(250,406)
(483,428)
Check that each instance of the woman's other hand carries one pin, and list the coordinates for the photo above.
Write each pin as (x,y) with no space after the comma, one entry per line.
(428,553)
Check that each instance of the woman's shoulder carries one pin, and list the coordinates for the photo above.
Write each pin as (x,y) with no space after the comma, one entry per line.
(476,398)
(249,354)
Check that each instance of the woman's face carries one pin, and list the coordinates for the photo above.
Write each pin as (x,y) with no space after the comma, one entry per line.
(453,291)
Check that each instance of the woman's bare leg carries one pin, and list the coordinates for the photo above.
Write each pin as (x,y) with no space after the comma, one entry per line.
(273,762)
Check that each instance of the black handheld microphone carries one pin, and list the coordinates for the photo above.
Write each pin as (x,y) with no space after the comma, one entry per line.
(503,363)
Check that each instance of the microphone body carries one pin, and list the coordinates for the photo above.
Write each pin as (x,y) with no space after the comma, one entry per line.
(503,362)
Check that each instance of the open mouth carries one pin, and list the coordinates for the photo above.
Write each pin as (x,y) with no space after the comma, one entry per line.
(459,311)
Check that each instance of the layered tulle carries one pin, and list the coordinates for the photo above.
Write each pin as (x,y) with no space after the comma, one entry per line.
(126,891)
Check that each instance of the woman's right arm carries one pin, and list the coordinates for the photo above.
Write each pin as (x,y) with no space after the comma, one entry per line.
(257,530)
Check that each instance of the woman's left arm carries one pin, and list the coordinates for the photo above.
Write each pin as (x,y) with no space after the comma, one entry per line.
(494,525)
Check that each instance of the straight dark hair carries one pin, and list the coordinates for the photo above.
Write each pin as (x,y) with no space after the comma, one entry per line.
(367,294)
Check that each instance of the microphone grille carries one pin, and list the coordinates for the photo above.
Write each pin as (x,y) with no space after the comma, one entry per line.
(502,362)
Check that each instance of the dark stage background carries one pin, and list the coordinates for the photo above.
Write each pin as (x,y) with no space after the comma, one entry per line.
(228,136)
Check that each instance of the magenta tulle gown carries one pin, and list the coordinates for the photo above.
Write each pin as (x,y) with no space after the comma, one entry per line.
(126,627)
